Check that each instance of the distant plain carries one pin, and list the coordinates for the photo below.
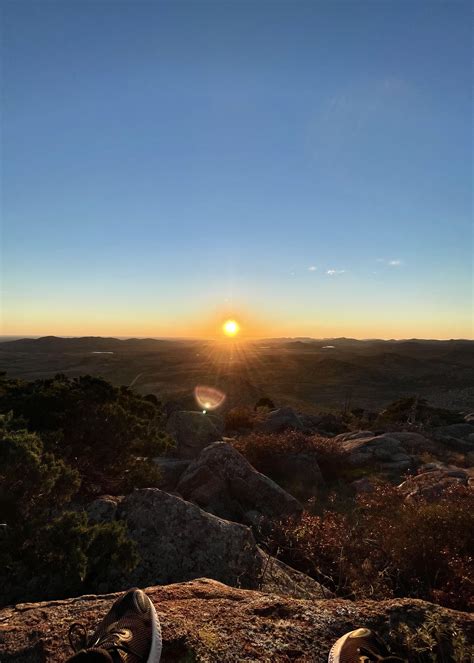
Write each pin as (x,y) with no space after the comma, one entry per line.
(314,375)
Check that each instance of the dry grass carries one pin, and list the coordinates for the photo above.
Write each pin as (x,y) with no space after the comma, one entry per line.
(387,547)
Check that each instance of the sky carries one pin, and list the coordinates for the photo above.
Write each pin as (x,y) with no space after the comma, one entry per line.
(302,167)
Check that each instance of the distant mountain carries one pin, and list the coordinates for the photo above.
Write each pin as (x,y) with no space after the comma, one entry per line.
(80,344)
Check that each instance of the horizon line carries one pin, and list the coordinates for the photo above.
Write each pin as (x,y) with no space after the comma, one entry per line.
(20,337)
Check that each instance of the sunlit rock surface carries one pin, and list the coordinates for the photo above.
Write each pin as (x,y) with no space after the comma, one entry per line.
(206,621)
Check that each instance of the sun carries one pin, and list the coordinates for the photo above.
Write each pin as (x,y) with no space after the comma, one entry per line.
(231,327)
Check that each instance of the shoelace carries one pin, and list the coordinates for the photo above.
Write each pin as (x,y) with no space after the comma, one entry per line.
(77,637)
(78,640)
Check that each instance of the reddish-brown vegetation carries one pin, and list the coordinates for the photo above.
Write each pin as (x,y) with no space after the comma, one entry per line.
(387,546)
(241,418)
(263,451)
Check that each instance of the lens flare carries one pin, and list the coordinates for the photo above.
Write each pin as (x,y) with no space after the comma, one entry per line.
(208,398)
(231,327)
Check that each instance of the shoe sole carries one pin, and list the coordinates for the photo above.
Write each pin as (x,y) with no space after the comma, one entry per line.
(157,640)
(335,653)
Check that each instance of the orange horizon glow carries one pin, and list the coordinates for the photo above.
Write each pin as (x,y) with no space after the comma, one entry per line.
(208,325)
(369,335)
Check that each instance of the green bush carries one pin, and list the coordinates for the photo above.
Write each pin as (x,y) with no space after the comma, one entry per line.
(140,473)
(63,557)
(94,427)
(31,480)
(48,547)
(47,550)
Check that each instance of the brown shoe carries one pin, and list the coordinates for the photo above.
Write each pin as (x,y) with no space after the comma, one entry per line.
(360,646)
(129,633)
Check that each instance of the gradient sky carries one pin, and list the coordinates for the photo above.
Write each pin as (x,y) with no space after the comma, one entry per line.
(302,166)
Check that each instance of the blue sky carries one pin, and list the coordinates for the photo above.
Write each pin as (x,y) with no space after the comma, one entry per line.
(168,163)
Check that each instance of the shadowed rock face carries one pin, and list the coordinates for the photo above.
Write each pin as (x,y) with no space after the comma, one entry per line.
(179,541)
(171,470)
(284,418)
(204,620)
(460,431)
(459,437)
(385,451)
(192,431)
(103,509)
(222,481)
(299,473)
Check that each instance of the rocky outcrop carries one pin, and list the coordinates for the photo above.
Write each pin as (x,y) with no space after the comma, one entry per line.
(205,621)
(459,437)
(223,482)
(413,443)
(278,578)
(171,470)
(385,453)
(299,472)
(326,424)
(178,541)
(192,431)
(363,485)
(103,509)
(460,431)
(283,418)
(433,483)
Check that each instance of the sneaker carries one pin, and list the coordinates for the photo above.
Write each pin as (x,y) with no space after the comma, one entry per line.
(129,633)
(360,646)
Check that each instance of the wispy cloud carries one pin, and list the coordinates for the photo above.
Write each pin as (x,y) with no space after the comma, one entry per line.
(312,268)
(335,272)
(392,262)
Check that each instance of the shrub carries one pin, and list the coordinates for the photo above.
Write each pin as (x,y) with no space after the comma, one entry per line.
(240,418)
(48,549)
(141,473)
(30,479)
(96,428)
(435,640)
(387,546)
(331,457)
(264,403)
(265,451)
(64,557)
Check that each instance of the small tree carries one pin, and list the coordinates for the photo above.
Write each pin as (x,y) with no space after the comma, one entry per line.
(31,481)
(47,550)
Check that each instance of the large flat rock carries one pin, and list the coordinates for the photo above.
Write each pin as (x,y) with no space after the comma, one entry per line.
(206,621)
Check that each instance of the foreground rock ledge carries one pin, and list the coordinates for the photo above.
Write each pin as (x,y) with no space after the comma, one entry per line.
(204,620)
